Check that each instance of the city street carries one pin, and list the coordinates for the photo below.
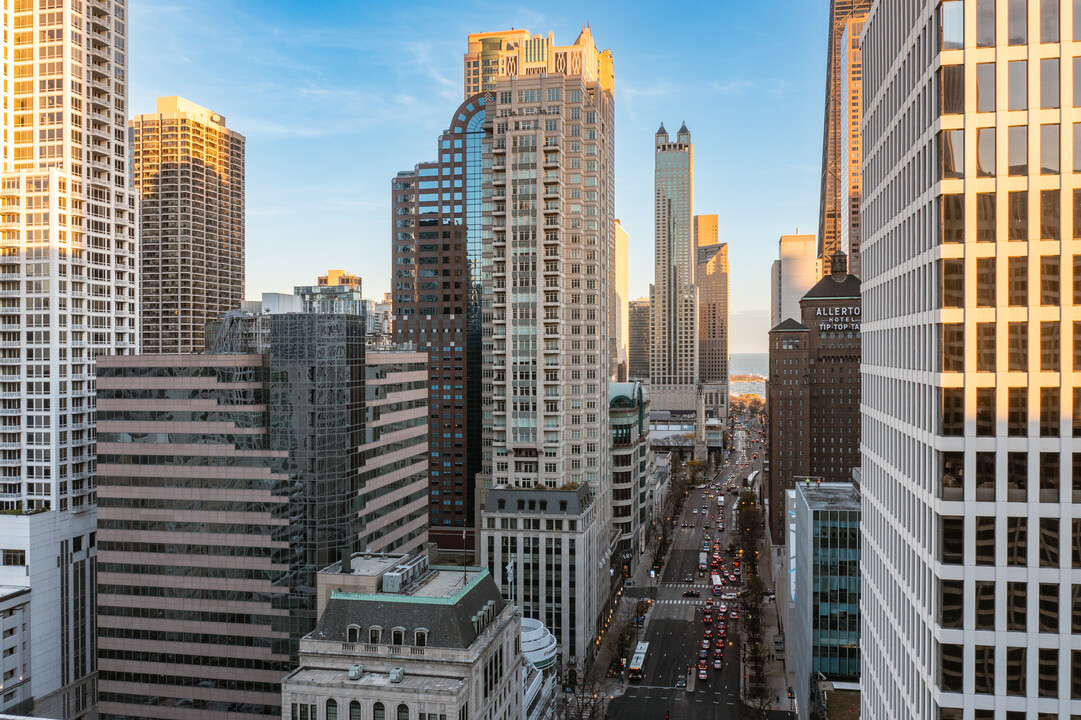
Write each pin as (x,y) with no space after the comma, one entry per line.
(675,627)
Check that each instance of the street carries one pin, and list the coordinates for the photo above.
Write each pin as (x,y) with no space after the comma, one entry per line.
(675,628)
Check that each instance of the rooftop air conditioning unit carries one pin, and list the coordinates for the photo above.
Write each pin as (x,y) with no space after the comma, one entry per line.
(355,672)
(396,674)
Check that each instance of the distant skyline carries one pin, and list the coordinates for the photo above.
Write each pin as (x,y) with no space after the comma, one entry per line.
(336,98)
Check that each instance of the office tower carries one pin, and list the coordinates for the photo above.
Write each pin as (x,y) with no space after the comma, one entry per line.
(712,275)
(638,339)
(673,356)
(837,124)
(492,54)
(823,602)
(188,169)
(706,230)
(383,316)
(269,460)
(546,365)
(632,464)
(336,292)
(972,405)
(438,254)
(813,390)
(70,278)
(401,638)
(851,152)
(794,272)
(620,298)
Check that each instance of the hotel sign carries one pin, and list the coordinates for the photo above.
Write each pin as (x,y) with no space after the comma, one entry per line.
(838,318)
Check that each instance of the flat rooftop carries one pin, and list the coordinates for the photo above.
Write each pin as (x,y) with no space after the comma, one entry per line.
(368,563)
(411,684)
(447,582)
(830,496)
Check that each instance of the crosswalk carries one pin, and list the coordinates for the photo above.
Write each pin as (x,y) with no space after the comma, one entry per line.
(699,586)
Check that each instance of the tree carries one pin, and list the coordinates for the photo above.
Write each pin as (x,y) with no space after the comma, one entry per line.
(696,469)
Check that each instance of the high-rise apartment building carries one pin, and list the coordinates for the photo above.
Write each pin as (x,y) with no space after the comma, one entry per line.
(632,464)
(336,292)
(548,236)
(972,400)
(706,231)
(438,256)
(673,356)
(813,390)
(289,445)
(837,125)
(851,151)
(69,294)
(794,272)
(188,169)
(638,339)
(492,54)
(620,298)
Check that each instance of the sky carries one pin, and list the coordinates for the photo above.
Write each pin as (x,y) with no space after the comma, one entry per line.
(336,97)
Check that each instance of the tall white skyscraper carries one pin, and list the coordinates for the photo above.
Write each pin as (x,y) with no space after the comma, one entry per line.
(68,285)
(548,219)
(971,436)
(794,272)
(673,357)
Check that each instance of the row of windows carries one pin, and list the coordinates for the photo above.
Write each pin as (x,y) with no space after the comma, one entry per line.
(397,635)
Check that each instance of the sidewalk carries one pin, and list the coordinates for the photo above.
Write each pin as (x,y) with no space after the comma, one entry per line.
(772,634)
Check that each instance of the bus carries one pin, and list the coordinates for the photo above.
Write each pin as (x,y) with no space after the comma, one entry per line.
(718,586)
(703,558)
(638,661)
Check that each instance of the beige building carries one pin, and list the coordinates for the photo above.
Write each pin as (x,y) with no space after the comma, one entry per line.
(621,300)
(188,169)
(673,356)
(399,639)
(713,325)
(706,231)
(794,272)
(549,223)
(851,154)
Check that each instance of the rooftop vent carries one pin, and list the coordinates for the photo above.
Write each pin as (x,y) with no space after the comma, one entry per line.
(396,675)
(355,672)
(401,576)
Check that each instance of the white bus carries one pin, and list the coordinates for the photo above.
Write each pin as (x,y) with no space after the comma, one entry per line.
(638,661)
(718,586)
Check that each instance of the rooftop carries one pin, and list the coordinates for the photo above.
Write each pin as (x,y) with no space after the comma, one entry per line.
(829,496)
(411,683)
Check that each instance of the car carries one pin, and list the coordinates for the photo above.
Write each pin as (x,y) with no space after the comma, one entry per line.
(734,614)
(723,608)
(684,524)
(705,644)
(691,593)
(703,654)
(695,511)
(681,682)
(709,602)
(637,621)
(703,674)
(688,578)
(707,618)
(718,664)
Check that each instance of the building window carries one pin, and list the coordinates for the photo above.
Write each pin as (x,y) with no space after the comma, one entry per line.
(421,638)
(354,710)
(379,712)
(352,634)
(403,712)
(397,636)
(332,709)
(14,557)
(373,635)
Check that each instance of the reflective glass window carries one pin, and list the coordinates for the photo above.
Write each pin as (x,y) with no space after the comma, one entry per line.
(1017,149)
(985,87)
(1017,84)
(952,24)
(1050,212)
(1049,78)
(952,148)
(953,89)
(985,217)
(985,152)
(1017,21)
(985,23)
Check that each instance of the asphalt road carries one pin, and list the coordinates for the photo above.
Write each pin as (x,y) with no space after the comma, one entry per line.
(675,630)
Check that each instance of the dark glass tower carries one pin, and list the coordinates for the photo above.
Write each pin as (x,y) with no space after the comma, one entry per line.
(438,259)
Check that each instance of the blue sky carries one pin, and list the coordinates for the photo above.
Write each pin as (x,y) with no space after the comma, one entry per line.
(336,97)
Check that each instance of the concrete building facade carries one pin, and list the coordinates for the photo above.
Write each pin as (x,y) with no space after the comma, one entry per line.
(813,390)
(851,150)
(188,169)
(620,305)
(632,464)
(713,323)
(70,268)
(673,356)
(399,638)
(336,292)
(972,398)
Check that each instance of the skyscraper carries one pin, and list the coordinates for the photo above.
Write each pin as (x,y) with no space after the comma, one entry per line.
(288,446)
(972,399)
(189,172)
(838,124)
(794,272)
(851,152)
(712,276)
(706,230)
(620,299)
(438,255)
(673,357)
(549,236)
(638,339)
(70,269)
